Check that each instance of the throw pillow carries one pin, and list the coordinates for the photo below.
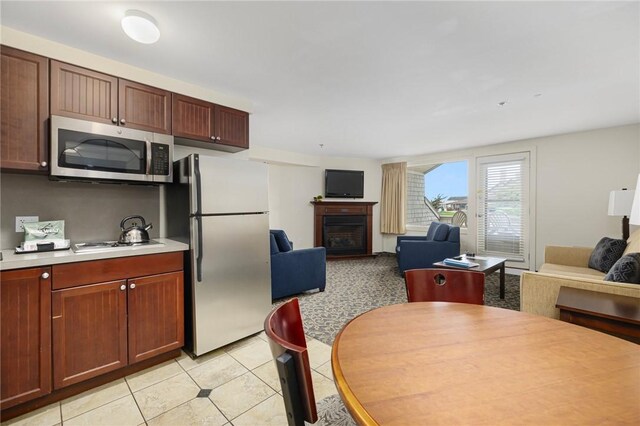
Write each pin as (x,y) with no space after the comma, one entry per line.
(606,253)
(625,270)
(441,232)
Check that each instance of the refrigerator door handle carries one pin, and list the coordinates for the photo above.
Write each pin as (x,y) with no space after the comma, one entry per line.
(199,249)
(198,179)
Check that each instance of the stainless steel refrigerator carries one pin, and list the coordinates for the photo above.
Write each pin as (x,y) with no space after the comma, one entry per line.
(221,207)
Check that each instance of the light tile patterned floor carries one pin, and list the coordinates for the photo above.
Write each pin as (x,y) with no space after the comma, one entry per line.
(242,376)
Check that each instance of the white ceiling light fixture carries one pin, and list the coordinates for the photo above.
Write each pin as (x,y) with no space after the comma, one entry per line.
(140,26)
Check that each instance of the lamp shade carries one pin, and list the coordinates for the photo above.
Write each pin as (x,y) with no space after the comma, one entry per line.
(634,217)
(620,202)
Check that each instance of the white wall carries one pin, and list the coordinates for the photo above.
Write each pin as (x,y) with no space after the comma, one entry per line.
(574,174)
(292,186)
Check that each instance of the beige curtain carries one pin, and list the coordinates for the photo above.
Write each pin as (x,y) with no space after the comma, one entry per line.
(393,199)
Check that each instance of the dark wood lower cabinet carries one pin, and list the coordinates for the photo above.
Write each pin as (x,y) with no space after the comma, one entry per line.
(89,331)
(156,315)
(25,335)
(103,327)
(96,320)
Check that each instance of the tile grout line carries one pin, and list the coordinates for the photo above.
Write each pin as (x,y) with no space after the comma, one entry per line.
(208,397)
(135,401)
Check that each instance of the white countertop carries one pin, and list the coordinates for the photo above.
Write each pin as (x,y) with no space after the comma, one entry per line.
(11,260)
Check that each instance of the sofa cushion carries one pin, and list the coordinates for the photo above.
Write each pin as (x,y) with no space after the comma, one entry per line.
(441,232)
(571,271)
(432,230)
(274,245)
(625,270)
(281,239)
(606,253)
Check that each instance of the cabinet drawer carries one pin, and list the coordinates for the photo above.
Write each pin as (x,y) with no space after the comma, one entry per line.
(96,271)
(341,210)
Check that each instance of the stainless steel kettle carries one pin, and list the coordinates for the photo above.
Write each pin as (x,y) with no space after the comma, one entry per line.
(135,233)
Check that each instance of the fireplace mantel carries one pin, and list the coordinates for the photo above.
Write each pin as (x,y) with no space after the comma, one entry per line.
(343,208)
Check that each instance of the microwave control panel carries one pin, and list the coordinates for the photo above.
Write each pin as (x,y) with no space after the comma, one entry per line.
(160,159)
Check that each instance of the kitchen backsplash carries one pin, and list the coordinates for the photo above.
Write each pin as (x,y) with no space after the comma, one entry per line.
(90,211)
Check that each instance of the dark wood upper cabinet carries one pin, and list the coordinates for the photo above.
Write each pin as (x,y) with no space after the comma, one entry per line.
(89,95)
(218,126)
(156,315)
(89,331)
(81,93)
(232,127)
(24,111)
(144,107)
(25,335)
(193,118)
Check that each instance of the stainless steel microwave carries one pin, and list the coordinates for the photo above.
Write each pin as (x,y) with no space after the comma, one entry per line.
(95,151)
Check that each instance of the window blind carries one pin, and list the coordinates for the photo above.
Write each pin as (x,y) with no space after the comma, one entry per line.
(503,206)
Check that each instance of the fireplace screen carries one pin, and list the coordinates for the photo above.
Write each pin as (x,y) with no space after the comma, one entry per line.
(345,234)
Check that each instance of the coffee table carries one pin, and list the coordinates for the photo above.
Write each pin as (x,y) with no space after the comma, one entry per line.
(487,265)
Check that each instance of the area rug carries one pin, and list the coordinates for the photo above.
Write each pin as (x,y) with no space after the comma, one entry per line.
(357,286)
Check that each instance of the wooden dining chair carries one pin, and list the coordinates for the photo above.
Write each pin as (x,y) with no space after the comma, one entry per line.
(444,285)
(283,327)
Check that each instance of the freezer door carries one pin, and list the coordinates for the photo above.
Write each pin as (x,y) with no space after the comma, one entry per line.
(232,291)
(222,186)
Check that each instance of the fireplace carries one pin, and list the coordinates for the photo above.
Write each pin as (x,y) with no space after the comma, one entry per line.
(344,228)
(345,235)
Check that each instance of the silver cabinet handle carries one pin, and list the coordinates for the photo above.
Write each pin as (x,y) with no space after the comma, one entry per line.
(122,121)
(114,120)
(132,286)
(43,164)
(45,275)
(213,138)
(123,287)
(218,138)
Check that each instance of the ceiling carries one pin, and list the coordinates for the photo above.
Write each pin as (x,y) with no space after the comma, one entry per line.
(380,79)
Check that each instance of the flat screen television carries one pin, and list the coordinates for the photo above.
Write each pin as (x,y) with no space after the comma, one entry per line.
(343,183)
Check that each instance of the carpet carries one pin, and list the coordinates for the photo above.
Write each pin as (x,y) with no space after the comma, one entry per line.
(357,286)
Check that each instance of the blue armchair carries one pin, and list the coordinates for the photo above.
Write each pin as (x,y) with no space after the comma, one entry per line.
(295,271)
(442,241)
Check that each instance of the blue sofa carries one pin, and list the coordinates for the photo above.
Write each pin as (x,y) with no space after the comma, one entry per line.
(295,271)
(442,241)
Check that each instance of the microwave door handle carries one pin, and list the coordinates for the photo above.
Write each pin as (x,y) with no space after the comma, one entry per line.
(149,154)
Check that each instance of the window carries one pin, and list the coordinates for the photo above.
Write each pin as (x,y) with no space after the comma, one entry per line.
(438,192)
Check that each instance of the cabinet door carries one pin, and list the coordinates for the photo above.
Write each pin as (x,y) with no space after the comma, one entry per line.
(144,107)
(25,336)
(81,93)
(192,118)
(89,331)
(231,127)
(156,315)
(24,111)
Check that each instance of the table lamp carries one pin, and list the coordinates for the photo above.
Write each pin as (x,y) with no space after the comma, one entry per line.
(620,203)
(634,217)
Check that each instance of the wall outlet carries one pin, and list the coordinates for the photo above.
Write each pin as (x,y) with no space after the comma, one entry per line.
(21,220)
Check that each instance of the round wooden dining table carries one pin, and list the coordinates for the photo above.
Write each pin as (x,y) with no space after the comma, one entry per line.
(435,363)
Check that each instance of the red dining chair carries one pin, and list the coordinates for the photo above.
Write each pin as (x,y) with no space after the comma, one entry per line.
(444,285)
(283,327)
